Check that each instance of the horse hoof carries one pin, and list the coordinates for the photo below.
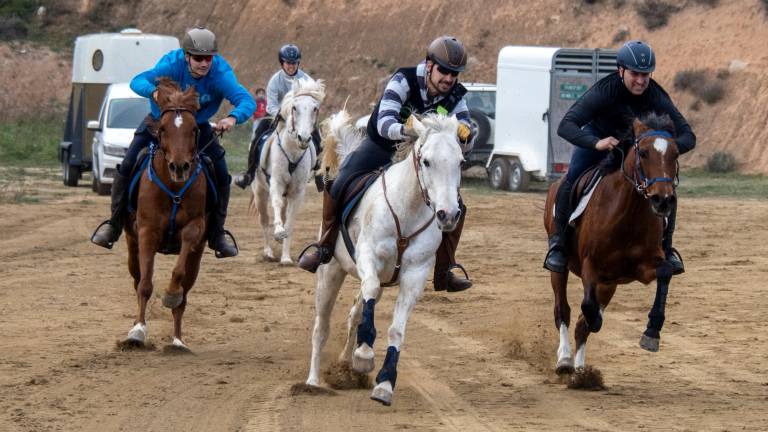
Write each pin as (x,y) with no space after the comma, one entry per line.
(565,366)
(281,235)
(137,335)
(268,257)
(363,359)
(382,393)
(649,343)
(172,301)
(286,262)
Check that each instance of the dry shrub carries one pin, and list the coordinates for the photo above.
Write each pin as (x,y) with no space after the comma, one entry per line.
(689,79)
(655,13)
(709,3)
(701,84)
(721,162)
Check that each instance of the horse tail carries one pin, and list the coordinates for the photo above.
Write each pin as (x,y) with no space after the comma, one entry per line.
(340,139)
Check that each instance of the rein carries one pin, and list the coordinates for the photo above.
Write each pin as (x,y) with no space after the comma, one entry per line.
(291,164)
(644,183)
(404,241)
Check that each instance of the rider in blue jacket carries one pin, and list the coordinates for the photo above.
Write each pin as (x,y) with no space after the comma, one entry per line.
(196,64)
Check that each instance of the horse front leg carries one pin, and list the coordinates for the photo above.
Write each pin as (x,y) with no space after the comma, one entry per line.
(559,283)
(277,192)
(184,275)
(261,195)
(363,358)
(411,287)
(292,209)
(602,295)
(147,247)
(649,341)
(329,280)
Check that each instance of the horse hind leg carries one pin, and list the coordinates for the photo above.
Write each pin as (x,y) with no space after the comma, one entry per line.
(329,280)
(564,363)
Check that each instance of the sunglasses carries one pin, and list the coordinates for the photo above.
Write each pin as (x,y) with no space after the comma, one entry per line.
(202,58)
(446,71)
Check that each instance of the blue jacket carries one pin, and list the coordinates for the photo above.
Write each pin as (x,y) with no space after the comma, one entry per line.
(220,83)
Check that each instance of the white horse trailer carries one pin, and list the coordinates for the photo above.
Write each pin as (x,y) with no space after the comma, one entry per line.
(535,87)
(98,61)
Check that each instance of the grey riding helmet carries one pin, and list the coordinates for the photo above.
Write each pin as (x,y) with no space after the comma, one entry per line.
(636,56)
(289,53)
(448,52)
(199,41)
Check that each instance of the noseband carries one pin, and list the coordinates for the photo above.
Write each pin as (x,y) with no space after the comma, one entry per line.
(642,185)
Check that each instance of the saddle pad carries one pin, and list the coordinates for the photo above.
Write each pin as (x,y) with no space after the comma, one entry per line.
(352,198)
(582,191)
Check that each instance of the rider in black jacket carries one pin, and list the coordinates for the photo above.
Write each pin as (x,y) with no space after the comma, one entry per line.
(594,122)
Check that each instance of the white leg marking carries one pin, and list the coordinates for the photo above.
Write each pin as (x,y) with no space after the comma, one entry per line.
(138,333)
(581,354)
(564,350)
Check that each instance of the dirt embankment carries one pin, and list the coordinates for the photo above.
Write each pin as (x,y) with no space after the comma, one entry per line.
(355,46)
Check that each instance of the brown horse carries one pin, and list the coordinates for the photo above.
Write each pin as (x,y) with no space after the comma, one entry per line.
(171,209)
(617,240)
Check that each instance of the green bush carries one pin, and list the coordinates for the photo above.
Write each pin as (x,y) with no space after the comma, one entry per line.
(721,162)
(31,142)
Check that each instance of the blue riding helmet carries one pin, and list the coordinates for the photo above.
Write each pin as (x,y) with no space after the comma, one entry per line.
(289,53)
(636,56)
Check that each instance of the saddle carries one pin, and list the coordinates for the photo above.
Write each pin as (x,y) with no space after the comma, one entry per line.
(171,244)
(587,182)
(353,194)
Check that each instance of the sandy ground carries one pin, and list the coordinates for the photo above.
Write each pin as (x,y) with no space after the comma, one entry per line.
(481,360)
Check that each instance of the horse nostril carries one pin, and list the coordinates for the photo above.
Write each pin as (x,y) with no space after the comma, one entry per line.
(655,199)
(441,215)
(186,166)
(299,137)
(172,166)
(672,200)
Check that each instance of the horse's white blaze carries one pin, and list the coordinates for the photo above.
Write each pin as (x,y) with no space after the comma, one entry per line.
(178,121)
(581,354)
(661,145)
(564,351)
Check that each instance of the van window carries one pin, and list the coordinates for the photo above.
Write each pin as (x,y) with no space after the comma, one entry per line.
(127,113)
(484,101)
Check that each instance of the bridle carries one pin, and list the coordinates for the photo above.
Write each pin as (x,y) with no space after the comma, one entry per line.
(639,181)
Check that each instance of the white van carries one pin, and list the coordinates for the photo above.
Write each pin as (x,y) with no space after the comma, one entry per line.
(98,61)
(535,87)
(121,113)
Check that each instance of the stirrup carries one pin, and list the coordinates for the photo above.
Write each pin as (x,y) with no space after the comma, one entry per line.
(243,180)
(220,254)
(675,254)
(553,267)
(110,242)
(449,274)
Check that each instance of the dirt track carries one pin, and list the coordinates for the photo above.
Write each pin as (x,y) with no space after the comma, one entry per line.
(474,361)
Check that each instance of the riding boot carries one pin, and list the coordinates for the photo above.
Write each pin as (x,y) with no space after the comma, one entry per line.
(671,254)
(219,239)
(108,232)
(445,261)
(557,255)
(316,140)
(245,179)
(324,247)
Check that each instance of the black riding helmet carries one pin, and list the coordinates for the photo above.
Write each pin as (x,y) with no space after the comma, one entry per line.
(636,56)
(199,41)
(289,53)
(448,52)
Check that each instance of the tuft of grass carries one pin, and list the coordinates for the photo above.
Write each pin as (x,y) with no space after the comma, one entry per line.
(32,141)
(702,183)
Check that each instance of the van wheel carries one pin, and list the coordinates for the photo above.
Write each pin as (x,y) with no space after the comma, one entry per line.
(498,173)
(519,178)
(70,173)
(483,126)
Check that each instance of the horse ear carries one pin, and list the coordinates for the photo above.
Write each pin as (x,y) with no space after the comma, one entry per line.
(417,125)
(190,96)
(639,127)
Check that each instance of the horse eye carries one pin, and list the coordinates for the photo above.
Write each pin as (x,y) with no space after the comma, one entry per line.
(644,154)
(426,163)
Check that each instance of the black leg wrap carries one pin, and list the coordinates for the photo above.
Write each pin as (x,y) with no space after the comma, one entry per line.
(388,371)
(366,331)
(656,315)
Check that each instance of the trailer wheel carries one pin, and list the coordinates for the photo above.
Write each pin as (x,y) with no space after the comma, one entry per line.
(70,173)
(519,178)
(498,173)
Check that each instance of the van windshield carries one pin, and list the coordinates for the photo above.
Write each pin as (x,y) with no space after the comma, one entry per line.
(484,101)
(127,113)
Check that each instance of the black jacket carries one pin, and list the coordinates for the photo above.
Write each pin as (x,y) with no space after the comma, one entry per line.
(611,108)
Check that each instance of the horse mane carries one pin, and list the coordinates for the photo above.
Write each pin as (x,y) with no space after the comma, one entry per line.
(434,122)
(302,87)
(662,122)
(340,138)
(170,95)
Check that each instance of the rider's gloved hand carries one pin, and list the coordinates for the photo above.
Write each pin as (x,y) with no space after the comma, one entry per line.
(225,124)
(607,143)
(408,129)
(463,132)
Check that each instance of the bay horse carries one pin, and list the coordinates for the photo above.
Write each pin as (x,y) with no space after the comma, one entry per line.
(171,209)
(617,240)
(396,229)
(286,165)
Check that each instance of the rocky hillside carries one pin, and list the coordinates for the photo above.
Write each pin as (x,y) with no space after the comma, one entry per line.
(355,45)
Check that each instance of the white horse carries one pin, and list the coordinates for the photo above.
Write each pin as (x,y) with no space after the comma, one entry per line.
(286,164)
(416,198)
